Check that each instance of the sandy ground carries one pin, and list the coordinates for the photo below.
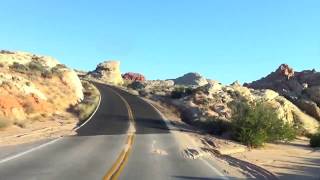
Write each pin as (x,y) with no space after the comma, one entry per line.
(45,128)
(295,160)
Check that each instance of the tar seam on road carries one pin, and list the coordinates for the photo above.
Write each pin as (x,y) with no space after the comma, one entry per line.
(122,159)
(50,142)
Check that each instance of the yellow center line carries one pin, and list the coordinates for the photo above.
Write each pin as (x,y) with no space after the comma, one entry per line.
(114,172)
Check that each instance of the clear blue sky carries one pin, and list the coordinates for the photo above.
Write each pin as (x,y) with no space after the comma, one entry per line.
(225,40)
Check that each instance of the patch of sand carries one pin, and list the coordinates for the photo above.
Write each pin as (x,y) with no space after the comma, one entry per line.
(295,160)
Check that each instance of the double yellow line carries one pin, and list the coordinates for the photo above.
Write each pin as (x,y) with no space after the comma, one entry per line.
(122,159)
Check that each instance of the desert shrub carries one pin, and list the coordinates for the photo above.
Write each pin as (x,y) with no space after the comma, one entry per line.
(256,124)
(58,69)
(46,74)
(21,68)
(315,140)
(20,123)
(181,91)
(136,85)
(61,66)
(6,52)
(87,106)
(4,122)
(36,66)
(1,65)
(28,83)
(214,126)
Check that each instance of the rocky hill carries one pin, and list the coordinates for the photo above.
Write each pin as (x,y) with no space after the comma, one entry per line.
(301,88)
(108,72)
(203,101)
(34,87)
(191,79)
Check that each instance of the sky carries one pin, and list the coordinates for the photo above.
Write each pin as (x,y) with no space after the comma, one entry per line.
(225,40)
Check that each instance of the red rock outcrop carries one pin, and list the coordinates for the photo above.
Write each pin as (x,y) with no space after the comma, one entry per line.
(286,71)
(133,77)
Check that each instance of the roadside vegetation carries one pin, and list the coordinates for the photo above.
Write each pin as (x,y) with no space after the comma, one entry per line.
(256,124)
(181,91)
(315,140)
(4,123)
(35,68)
(88,105)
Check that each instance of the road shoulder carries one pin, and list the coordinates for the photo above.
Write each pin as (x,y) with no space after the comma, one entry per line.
(193,145)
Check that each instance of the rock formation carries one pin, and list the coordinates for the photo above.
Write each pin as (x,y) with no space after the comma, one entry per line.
(214,101)
(191,79)
(301,88)
(107,71)
(31,85)
(130,76)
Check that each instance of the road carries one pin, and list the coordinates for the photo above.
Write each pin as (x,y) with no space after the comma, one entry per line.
(100,149)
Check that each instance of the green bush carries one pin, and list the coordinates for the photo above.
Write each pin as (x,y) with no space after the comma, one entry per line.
(46,74)
(136,85)
(180,92)
(21,68)
(36,66)
(58,70)
(315,140)
(255,124)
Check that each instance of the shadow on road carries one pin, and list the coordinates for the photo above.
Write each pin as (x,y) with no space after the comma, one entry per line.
(115,124)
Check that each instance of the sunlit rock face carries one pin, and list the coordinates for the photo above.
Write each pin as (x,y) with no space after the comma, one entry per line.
(107,71)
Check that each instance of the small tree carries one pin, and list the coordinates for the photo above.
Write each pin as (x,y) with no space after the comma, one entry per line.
(255,124)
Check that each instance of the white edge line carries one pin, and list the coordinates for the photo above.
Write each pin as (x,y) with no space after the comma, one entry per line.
(28,151)
(50,142)
(170,126)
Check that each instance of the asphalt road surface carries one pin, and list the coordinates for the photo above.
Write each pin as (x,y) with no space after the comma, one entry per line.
(97,151)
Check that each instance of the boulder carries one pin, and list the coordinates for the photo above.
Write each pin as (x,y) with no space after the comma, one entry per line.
(108,71)
(130,76)
(159,83)
(211,88)
(71,79)
(314,94)
(191,79)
